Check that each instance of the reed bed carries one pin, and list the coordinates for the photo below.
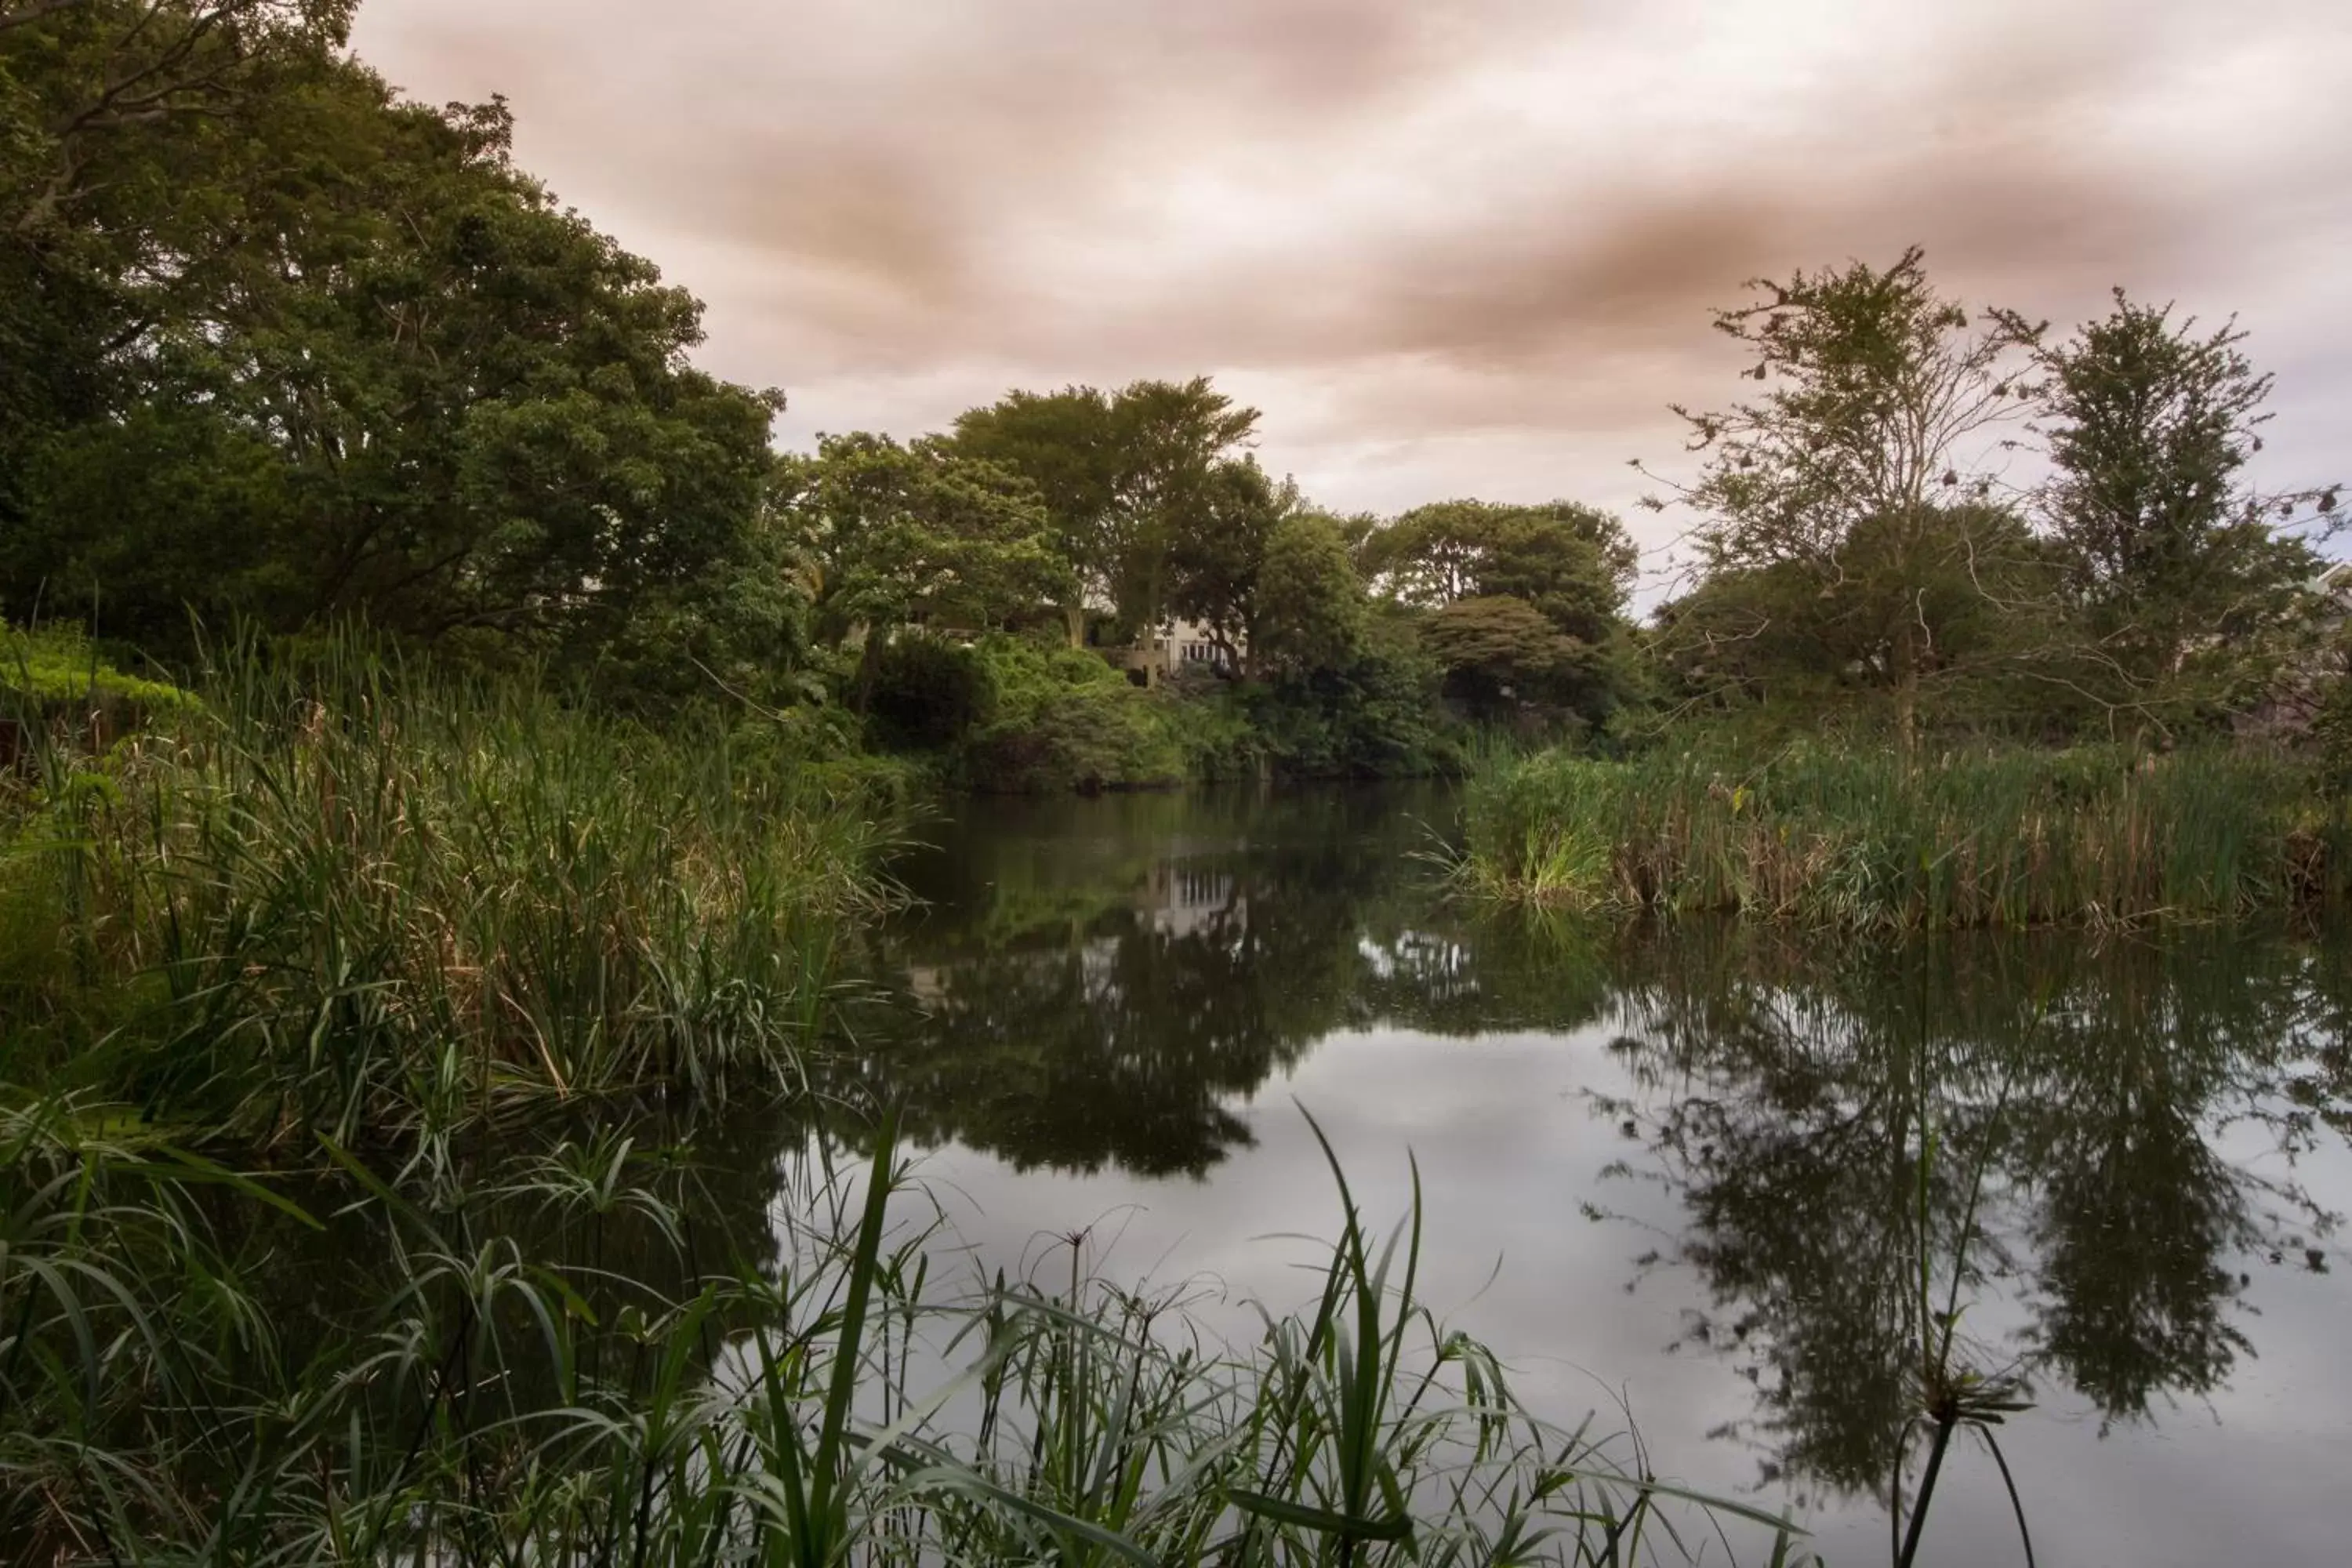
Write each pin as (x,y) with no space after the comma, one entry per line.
(1865,839)
(340,895)
(501,1394)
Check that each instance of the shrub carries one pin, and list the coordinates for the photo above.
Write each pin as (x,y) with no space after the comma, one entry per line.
(1060,718)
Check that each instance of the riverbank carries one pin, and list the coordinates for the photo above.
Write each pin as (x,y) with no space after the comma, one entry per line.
(1860,839)
(1009,715)
(330,893)
(327,947)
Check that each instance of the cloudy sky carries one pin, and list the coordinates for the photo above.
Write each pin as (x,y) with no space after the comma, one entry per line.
(1448,247)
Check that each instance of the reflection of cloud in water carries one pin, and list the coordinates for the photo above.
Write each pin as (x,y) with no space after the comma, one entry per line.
(2170,1116)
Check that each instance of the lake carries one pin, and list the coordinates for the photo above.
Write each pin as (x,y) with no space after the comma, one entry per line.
(1673,1172)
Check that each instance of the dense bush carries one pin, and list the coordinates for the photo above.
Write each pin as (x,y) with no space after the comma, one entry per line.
(1375,716)
(1060,718)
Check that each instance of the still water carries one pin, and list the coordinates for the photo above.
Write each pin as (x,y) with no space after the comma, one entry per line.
(1676,1173)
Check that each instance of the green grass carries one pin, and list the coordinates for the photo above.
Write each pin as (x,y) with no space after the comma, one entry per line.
(340,896)
(1859,839)
(491,1392)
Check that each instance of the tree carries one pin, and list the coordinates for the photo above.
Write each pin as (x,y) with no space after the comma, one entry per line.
(1574,562)
(2186,587)
(1526,602)
(121,124)
(1501,652)
(1310,611)
(919,534)
(1970,580)
(1172,438)
(1217,554)
(1123,476)
(395,380)
(1887,397)
(1067,445)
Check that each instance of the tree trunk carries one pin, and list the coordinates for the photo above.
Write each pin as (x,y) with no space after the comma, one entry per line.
(869,665)
(1907,691)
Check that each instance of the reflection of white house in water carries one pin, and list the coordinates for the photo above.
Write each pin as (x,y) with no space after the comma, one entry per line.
(927,982)
(1178,899)
(1183,898)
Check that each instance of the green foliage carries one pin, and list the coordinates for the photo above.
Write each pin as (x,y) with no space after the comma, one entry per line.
(1501,652)
(1575,563)
(308,352)
(1525,602)
(57,667)
(347,896)
(1310,610)
(2188,598)
(1060,718)
(1971,584)
(911,536)
(1226,556)
(1065,444)
(1126,478)
(1852,838)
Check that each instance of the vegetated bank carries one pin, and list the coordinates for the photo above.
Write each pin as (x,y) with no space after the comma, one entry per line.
(335,992)
(327,890)
(1017,714)
(1821,835)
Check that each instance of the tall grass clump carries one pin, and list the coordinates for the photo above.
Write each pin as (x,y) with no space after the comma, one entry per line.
(499,1394)
(338,893)
(1865,839)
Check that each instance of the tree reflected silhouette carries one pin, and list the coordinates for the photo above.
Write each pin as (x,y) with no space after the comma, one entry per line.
(1800,1104)
(1090,986)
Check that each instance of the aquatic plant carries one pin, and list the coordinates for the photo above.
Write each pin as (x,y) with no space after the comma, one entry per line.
(374,899)
(1865,839)
(498,1391)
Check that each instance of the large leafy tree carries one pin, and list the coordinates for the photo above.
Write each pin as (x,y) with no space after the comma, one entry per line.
(1125,478)
(1574,564)
(907,535)
(1176,441)
(121,123)
(1526,603)
(1218,554)
(1887,401)
(1501,653)
(1067,445)
(326,354)
(2188,588)
(1309,609)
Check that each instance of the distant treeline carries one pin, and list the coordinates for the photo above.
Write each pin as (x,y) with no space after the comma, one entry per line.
(279,348)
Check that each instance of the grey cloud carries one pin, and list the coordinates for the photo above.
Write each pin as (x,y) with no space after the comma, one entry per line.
(894,209)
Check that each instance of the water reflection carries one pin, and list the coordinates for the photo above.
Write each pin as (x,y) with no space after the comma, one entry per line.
(1084,999)
(2089,1145)
(2048,1117)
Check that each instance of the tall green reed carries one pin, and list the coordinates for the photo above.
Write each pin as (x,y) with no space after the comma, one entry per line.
(1866,840)
(375,899)
(491,1399)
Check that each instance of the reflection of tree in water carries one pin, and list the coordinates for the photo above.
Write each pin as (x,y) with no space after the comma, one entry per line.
(1790,1097)
(1100,984)
(1084,998)
(1107,1004)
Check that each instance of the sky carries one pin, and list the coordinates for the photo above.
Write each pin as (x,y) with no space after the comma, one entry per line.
(1449,247)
